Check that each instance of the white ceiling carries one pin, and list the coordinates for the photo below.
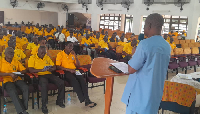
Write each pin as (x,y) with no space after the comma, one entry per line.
(54,1)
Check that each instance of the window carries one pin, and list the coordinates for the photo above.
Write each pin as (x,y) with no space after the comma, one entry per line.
(171,23)
(128,23)
(110,21)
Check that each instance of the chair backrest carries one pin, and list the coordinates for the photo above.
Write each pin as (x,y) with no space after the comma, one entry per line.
(187,41)
(53,54)
(178,51)
(172,52)
(195,50)
(113,44)
(176,41)
(196,44)
(119,49)
(184,45)
(182,94)
(181,41)
(192,41)
(84,59)
(187,50)
(191,45)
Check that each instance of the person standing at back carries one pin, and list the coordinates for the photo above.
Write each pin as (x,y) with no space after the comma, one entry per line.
(147,68)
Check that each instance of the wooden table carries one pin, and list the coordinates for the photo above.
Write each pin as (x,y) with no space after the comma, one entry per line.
(100,69)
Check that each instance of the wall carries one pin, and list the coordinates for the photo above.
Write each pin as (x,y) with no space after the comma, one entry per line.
(19,15)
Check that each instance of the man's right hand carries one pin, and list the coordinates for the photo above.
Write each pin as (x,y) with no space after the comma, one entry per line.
(13,76)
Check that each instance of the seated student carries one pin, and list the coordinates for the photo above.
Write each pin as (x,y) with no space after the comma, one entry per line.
(167,38)
(172,44)
(87,43)
(8,65)
(66,33)
(103,44)
(122,41)
(68,61)
(171,33)
(2,41)
(128,49)
(29,32)
(102,35)
(18,55)
(20,39)
(94,38)
(5,32)
(175,33)
(39,32)
(184,33)
(72,39)
(36,28)
(37,64)
(50,38)
(113,38)
(33,44)
(41,42)
(61,39)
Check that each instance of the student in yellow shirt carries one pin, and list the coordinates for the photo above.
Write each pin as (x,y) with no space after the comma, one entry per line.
(50,38)
(20,39)
(103,44)
(94,39)
(171,33)
(8,65)
(121,42)
(102,35)
(28,30)
(33,44)
(39,32)
(41,42)
(5,32)
(113,38)
(87,43)
(43,66)
(19,54)
(172,44)
(68,62)
(167,38)
(184,33)
(176,33)
(128,49)
(2,41)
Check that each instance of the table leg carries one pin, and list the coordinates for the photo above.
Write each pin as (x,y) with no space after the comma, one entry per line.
(108,94)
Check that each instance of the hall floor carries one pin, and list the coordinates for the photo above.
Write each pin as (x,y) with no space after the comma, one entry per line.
(96,95)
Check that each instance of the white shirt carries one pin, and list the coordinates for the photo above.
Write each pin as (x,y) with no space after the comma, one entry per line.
(73,39)
(61,37)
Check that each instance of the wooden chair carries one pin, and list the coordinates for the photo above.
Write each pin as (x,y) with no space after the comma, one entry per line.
(191,45)
(192,41)
(187,41)
(181,41)
(184,45)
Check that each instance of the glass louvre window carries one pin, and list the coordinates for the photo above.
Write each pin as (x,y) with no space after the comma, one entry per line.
(110,21)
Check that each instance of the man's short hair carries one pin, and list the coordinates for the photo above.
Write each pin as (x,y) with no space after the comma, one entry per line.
(156,20)
(67,43)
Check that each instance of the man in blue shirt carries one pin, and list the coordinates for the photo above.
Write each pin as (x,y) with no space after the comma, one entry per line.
(147,68)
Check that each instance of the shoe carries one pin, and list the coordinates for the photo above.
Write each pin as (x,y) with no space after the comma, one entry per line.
(44,110)
(90,104)
(61,105)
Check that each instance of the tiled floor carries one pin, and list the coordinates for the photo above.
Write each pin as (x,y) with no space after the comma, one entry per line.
(96,95)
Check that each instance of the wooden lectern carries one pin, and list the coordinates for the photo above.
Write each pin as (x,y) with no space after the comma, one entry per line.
(100,69)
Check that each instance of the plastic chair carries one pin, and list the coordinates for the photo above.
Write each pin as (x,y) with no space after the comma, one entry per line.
(178,52)
(173,64)
(191,59)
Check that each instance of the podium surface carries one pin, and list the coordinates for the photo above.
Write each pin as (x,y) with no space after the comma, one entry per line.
(100,69)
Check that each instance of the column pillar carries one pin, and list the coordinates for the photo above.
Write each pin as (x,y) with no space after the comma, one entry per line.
(62,18)
(137,24)
(122,22)
(95,20)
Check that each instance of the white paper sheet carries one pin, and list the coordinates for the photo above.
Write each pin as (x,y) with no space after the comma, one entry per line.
(78,72)
(184,76)
(195,75)
(121,66)
(18,73)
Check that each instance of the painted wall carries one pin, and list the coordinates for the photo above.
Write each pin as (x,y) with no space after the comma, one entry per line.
(19,15)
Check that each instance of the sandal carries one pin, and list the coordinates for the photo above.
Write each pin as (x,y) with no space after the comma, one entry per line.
(90,104)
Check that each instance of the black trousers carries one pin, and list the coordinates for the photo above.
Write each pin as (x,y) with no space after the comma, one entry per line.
(79,85)
(43,82)
(11,88)
(110,54)
(51,43)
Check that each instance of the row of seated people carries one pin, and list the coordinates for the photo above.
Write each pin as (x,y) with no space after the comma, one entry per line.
(66,61)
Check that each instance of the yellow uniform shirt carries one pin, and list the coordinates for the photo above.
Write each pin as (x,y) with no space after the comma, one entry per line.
(35,50)
(31,46)
(66,61)
(47,33)
(67,34)
(35,30)
(75,35)
(9,35)
(28,31)
(6,67)
(173,45)
(103,44)
(185,34)
(94,40)
(19,54)
(4,41)
(128,48)
(18,46)
(101,37)
(22,41)
(40,33)
(176,34)
(87,41)
(38,63)
(120,43)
